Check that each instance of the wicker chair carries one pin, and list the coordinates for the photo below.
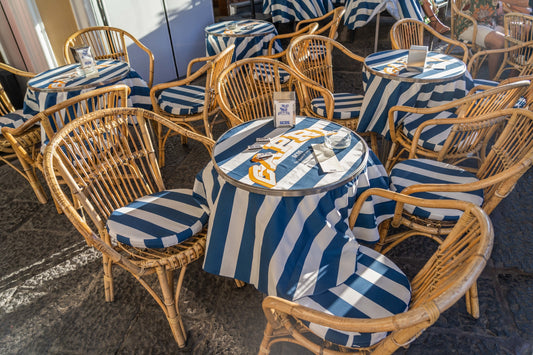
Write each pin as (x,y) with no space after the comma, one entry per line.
(245,89)
(506,160)
(518,29)
(427,132)
(111,167)
(53,119)
(107,43)
(458,15)
(329,22)
(407,32)
(478,60)
(311,58)
(184,103)
(437,286)
(11,117)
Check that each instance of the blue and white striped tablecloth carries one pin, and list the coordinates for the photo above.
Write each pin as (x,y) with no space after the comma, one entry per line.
(283,11)
(359,12)
(251,38)
(289,246)
(387,83)
(111,72)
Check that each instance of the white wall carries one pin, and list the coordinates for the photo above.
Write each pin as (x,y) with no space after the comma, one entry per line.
(146,20)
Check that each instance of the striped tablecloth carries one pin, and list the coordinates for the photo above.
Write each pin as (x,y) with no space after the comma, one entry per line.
(387,83)
(359,12)
(59,84)
(283,11)
(294,245)
(251,38)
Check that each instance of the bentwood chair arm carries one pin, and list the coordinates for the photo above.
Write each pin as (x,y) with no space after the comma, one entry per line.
(336,16)
(16,71)
(460,13)
(477,60)
(449,105)
(198,60)
(310,29)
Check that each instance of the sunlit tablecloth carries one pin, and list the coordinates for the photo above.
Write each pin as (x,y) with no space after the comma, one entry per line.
(283,11)
(387,83)
(360,12)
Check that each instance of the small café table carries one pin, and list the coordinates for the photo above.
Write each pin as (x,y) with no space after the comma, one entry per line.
(388,83)
(59,84)
(281,223)
(284,11)
(251,38)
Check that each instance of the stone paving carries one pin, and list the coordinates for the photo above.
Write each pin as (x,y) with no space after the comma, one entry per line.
(52,297)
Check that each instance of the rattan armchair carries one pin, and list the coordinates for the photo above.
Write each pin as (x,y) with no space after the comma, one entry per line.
(432,132)
(407,32)
(508,157)
(186,103)
(523,66)
(111,167)
(329,23)
(245,88)
(311,57)
(518,29)
(51,120)
(438,285)
(457,16)
(107,43)
(11,117)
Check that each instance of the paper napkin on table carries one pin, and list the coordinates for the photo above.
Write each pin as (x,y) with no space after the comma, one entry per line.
(326,158)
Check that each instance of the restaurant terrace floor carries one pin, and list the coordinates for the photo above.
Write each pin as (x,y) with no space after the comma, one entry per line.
(52,296)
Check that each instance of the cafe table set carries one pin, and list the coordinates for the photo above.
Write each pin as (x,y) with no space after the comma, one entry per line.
(278,201)
(59,84)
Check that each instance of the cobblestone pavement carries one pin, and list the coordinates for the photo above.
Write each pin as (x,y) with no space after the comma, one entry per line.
(52,297)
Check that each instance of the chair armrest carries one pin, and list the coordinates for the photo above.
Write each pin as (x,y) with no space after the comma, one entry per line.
(477,60)
(18,138)
(150,57)
(195,61)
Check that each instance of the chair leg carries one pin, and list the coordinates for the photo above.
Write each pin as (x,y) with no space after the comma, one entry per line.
(264,348)
(472,301)
(171,303)
(240,283)
(108,279)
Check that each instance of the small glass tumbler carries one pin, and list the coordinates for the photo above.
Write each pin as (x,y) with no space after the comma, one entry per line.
(338,140)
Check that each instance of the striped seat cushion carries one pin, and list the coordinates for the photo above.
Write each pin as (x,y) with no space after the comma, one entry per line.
(265,73)
(183,100)
(13,119)
(346,106)
(158,220)
(377,289)
(432,137)
(425,171)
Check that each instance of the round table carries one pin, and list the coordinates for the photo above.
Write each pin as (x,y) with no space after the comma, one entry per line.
(388,83)
(67,78)
(251,38)
(276,232)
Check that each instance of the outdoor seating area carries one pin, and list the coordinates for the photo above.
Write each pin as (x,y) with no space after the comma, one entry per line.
(322,180)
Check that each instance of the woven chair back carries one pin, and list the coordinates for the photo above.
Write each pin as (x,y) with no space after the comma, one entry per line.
(328,24)
(245,89)
(106,43)
(311,57)
(407,32)
(5,103)
(509,157)
(518,29)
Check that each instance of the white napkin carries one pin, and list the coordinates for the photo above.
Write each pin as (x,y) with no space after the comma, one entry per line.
(326,158)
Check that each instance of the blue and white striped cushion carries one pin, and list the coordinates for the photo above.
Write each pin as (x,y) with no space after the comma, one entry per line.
(346,106)
(425,171)
(377,289)
(158,220)
(13,119)
(432,137)
(183,100)
(266,73)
